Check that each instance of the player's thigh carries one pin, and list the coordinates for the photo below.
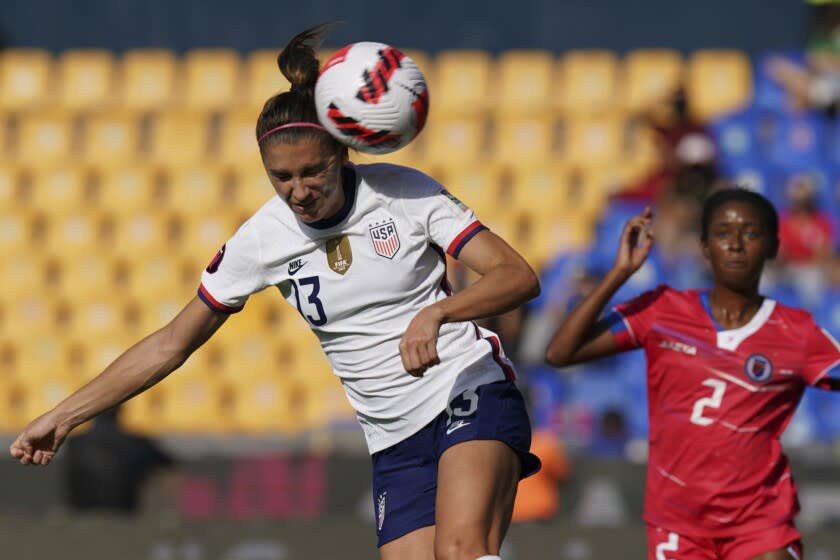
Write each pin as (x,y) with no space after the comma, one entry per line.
(477,483)
(417,545)
(668,545)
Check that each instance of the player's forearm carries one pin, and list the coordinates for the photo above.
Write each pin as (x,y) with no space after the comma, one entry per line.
(501,289)
(137,369)
(577,327)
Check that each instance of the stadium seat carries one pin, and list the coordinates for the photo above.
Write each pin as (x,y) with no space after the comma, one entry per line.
(454,140)
(523,141)
(158,275)
(125,190)
(15,231)
(197,190)
(44,138)
(263,78)
(477,186)
(59,190)
(139,235)
(253,189)
(462,83)
(25,79)
(587,82)
(737,138)
(203,235)
(142,414)
(755,175)
(12,406)
(828,316)
(237,140)
(650,76)
(266,404)
(526,83)
(148,79)
(718,82)
(10,187)
(540,189)
(179,138)
(86,78)
(111,139)
(96,316)
(212,79)
(592,141)
(799,140)
(770,95)
(193,404)
(86,274)
(44,395)
(78,232)
(27,316)
(22,271)
(42,356)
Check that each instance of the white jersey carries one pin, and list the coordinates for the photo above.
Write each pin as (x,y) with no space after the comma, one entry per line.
(359,279)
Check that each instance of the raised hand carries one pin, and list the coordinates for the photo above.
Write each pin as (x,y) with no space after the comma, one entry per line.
(635,244)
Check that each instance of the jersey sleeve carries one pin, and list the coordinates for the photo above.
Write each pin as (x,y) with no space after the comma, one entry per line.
(631,321)
(448,222)
(822,356)
(234,273)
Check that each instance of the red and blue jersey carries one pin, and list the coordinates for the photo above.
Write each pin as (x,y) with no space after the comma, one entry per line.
(718,400)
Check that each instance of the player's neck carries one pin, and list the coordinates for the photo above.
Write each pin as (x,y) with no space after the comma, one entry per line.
(733,309)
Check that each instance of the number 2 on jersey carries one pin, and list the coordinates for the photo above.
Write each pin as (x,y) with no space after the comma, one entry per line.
(719,388)
(313,281)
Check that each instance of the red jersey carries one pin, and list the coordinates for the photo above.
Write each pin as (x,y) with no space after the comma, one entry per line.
(718,400)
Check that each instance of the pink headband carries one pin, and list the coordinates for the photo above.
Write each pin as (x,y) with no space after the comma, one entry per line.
(290,125)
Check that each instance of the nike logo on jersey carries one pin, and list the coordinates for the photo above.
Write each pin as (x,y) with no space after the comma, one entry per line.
(458,424)
(295,265)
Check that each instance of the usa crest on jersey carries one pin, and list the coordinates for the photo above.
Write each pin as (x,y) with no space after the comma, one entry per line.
(385,240)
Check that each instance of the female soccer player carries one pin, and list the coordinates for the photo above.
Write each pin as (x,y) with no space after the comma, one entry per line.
(360,252)
(726,370)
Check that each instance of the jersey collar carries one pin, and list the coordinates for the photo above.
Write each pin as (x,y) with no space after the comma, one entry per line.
(732,338)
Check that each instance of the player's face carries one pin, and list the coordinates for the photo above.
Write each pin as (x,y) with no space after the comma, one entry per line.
(738,245)
(307,175)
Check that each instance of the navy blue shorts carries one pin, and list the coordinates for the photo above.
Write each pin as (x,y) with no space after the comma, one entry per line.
(405,474)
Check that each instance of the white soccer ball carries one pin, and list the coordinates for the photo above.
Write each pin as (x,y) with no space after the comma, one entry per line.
(372,97)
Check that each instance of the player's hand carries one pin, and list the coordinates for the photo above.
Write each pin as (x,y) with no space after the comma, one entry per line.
(418,347)
(636,241)
(39,441)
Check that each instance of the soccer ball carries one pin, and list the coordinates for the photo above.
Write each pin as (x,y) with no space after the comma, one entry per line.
(372,97)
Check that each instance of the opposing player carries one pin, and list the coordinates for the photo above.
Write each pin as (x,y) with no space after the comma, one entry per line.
(360,252)
(726,370)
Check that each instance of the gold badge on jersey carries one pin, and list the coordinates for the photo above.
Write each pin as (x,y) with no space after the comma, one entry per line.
(339,254)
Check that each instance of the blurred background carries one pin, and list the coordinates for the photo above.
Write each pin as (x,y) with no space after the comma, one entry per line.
(127,157)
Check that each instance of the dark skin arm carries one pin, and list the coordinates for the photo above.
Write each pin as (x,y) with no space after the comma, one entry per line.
(137,369)
(581,337)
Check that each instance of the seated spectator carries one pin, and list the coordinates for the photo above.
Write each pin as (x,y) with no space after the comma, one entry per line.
(610,438)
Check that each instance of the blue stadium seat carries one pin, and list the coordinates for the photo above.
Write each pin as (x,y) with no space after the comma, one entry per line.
(737,138)
(755,175)
(608,231)
(547,392)
(824,180)
(799,141)
(828,315)
(826,412)
(556,278)
(769,94)
(783,293)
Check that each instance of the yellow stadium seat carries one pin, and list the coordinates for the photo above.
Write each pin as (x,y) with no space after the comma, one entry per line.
(126,190)
(539,189)
(74,232)
(253,189)
(111,139)
(140,235)
(148,79)
(178,138)
(44,139)
(462,83)
(27,316)
(195,190)
(526,83)
(212,79)
(12,406)
(22,271)
(10,187)
(142,414)
(650,77)
(85,273)
(44,355)
(87,78)
(266,404)
(15,231)
(237,140)
(96,316)
(158,312)
(477,186)
(158,275)
(263,78)
(592,141)
(523,141)
(43,395)
(205,234)
(455,141)
(25,78)
(718,82)
(587,81)
(100,353)
(59,190)
(193,404)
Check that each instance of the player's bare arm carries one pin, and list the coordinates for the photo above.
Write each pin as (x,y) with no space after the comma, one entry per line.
(581,338)
(137,369)
(506,282)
